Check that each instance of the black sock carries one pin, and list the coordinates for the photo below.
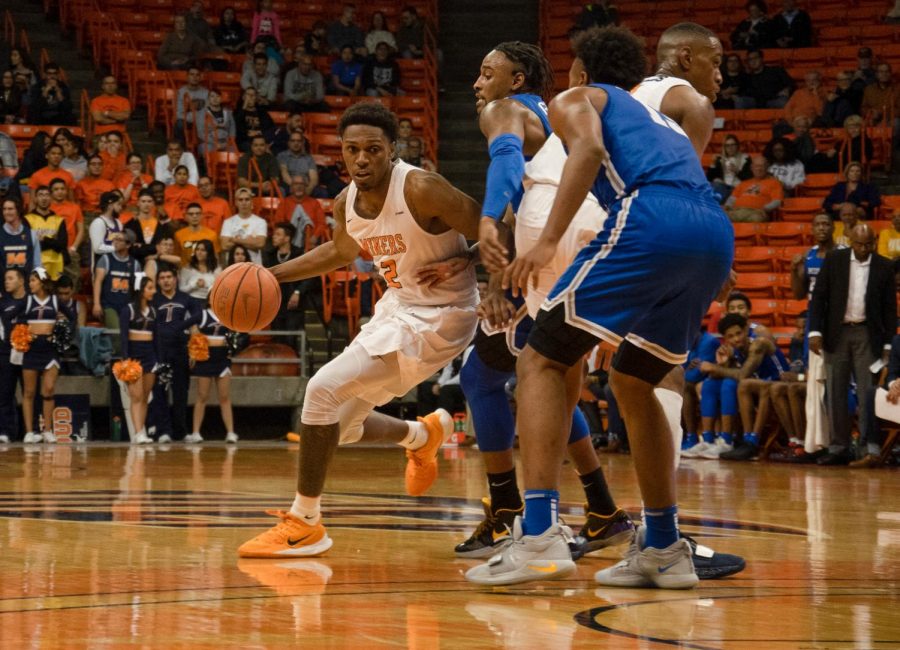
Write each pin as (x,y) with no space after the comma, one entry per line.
(600,501)
(504,491)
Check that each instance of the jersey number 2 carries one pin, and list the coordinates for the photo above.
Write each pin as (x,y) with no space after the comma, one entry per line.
(389,271)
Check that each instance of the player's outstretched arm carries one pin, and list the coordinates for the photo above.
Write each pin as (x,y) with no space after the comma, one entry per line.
(338,252)
(575,118)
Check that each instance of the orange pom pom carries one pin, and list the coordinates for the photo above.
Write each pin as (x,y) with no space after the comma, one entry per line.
(128,370)
(21,338)
(198,347)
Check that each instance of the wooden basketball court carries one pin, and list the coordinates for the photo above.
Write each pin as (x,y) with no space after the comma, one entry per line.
(113,546)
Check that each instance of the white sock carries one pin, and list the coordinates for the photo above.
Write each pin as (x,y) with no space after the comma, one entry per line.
(306,509)
(671,403)
(417,436)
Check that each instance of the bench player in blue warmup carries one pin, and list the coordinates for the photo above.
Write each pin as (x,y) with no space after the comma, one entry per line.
(644,284)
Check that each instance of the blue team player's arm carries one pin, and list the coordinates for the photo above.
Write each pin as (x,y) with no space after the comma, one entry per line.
(706,351)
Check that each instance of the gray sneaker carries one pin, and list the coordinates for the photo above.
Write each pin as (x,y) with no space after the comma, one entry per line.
(666,568)
(528,557)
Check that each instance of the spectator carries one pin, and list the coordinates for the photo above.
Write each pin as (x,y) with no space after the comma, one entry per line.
(803,141)
(864,73)
(266,26)
(137,324)
(180,49)
(755,199)
(345,33)
(853,316)
(293,124)
(215,209)
(411,35)
(379,33)
(19,244)
(114,280)
(346,74)
(404,133)
(11,106)
(195,231)
(147,228)
(597,14)
(244,228)
(848,218)
(73,160)
(109,110)
(854,190)
(190,101)
(165,166)
(889,243)
(260,78)
(20,64)
(51,101)
(230,35)
(216,129)
(42,177)
(414,156)
(784,163)
(9,157)
(259,48)
(316,42)
(35,156)
(251,120)
(290,313)
(733,79)
(201,269)
(65,292)
(179,194)
(767,86)
(196,23)
(114,158)
(105,225)
(238,255)
(74,220)
(842,102)
(165,256)
(304,88)
(90,188)
(756,31)
(381,74)
(50,229)
(301,210)
(792,27)
(131,181)
(807,101)
(261,176)
(12,302)
(879,98)
(729,168)
(295,161)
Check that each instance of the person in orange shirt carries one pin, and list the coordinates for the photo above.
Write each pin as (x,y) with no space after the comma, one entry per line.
(90,188)
(310,212)
(113,157)
(109,110)
(179,195)
(74,219)
(43,176)
(215,208)
(187,238)
(808,101)
(131,181)
(755,199)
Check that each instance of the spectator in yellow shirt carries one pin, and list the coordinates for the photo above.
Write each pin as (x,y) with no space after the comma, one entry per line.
(889,239)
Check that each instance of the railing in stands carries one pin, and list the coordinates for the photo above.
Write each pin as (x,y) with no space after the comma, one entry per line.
(24,43)
(9,28)
(86,121)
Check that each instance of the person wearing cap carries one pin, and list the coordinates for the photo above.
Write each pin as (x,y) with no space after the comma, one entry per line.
(105,225)
(114,280)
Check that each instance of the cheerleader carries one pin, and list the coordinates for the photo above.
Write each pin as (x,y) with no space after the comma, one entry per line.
(137,323)
(215,369)
(12,304)
(41,311)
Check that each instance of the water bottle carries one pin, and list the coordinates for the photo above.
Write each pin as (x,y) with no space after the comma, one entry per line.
(116,429)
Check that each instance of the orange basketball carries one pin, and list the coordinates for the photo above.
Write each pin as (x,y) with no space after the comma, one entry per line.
(245,297)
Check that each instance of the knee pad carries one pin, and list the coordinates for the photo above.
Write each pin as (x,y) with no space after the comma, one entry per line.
(580,428)
(484,388)
(320,406)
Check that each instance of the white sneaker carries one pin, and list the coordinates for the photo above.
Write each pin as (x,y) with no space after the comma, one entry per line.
(141,439)
(49,437)
(714,451)
(32,437)
(193,438)
(231,437)
(529,557)
(164,439)
(696,450)
(663,568)
(4,439)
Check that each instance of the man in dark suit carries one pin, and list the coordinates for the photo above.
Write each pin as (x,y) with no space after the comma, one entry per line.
(853,316)
(874,433)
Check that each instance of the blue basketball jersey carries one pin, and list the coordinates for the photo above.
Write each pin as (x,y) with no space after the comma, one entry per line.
(538,107)
(772,365)
(645,148)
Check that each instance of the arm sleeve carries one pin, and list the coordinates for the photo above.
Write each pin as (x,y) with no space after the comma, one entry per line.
(504,176)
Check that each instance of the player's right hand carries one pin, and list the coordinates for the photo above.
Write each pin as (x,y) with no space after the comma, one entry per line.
(496,309)
(494,255)
(517,274)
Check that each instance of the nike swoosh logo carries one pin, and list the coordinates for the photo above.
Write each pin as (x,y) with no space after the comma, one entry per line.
(506,482)
(543,569)
(294,542)
(665,568)
(592,533)
(497,536)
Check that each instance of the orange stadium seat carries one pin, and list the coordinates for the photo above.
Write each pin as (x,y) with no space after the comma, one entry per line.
(890,203)
(802,208)
(787,234)
(325,143)
(747,234)
(314,123)
(788,310)
(754,259)
(817,185)
(785,255)
(880,225)
(783,289)
(765,312)
(757,285)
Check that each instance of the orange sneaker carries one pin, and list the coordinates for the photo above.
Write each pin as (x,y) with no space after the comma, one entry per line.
(421,468)
(289,538)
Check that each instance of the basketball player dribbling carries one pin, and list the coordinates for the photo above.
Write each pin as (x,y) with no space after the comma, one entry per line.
(405,218)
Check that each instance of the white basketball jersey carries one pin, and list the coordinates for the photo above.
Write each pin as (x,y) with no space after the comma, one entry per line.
(399,247)
(651,91)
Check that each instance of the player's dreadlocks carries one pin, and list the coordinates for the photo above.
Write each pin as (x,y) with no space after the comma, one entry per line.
(532,63)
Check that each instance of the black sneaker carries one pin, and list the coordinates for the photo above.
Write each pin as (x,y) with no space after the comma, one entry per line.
(710,565)
(492,534)
(744,451)
(601,532)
